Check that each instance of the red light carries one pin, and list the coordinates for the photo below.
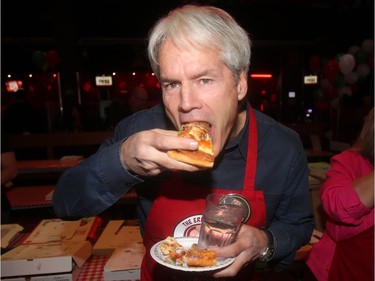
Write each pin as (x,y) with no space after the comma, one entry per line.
(259,75)
(263,92)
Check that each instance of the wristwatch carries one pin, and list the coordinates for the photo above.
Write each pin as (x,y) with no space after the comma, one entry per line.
(267,254)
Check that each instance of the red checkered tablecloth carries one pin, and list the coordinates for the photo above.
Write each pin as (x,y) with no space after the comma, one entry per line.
(92,270)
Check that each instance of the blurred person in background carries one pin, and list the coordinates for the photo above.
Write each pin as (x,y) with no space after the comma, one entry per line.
(346,249)
(8,173)
(21,117)
(138,100)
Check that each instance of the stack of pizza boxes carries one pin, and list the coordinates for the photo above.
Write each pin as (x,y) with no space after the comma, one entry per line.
(54,250)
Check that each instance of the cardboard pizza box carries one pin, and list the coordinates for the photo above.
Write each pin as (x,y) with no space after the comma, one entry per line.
(48,261)
(57,230)
(116,235)
(125,263)
(8,232)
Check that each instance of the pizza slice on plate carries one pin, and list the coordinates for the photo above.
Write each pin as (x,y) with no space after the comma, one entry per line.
(176,254)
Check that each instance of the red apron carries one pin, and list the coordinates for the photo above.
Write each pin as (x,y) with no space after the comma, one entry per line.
(354,258)
(178,209)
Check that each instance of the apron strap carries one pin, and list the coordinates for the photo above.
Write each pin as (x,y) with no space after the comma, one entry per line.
(252,154)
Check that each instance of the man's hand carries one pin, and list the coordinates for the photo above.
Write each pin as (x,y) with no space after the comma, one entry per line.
(251,241)
(145,153)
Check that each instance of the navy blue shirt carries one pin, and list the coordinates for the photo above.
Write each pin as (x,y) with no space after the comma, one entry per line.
(100,180)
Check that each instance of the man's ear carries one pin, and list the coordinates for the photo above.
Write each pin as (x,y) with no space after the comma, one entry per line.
(242,86)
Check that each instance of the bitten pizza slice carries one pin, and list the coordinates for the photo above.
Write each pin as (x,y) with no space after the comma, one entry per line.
(204,155)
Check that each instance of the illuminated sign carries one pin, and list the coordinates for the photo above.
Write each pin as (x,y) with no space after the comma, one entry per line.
(312,79)
(103,80)
(13,86)
(261,75)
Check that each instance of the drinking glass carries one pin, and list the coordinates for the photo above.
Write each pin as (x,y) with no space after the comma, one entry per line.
(222,219)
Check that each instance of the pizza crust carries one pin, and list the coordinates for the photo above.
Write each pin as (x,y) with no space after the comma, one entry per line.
(194,158)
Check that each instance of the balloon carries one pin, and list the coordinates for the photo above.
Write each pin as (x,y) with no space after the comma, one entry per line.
(314,64)
(368,46)
(53,58)
(338,56)
(39,59)
(353,49)
(344,91)
(360,56)
(335,103)
(324,83)
(346,63)
(330,93)
(351,78)
(363,70)
(330,70)
(318,94)
(339,81)
(322,106)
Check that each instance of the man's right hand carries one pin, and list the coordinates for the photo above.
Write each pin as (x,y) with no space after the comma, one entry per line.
(145,153)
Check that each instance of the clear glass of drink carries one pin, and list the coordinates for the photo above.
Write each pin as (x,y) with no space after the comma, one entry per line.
(222,219)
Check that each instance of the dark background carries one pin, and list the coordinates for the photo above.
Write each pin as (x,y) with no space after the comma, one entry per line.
(94,38)
(108,33)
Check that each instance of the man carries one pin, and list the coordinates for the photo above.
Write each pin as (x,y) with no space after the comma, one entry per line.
(201,57)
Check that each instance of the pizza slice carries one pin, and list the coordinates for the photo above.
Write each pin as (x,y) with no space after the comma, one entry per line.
(176,254)
(204,155)
(200,258)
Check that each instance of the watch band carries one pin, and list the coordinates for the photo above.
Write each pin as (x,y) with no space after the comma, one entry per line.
(267,254)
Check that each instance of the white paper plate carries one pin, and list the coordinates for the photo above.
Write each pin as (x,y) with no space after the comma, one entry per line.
(186,242)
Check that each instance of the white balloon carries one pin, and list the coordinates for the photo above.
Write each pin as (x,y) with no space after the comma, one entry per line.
(335,103)
(363,69)
(346,63)
(344,91)
(368,46)
(353,49)
(324,83)
(351,78)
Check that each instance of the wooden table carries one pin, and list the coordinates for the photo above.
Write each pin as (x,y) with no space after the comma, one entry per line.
(44,166)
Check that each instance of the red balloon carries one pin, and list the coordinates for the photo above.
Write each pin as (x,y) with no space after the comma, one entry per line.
(314,64)
(322,106)
(330,93)
(53,59)
(331,69)
(39,59)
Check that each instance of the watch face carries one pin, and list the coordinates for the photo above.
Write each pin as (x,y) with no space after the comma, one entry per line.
(238,199)
(267,254)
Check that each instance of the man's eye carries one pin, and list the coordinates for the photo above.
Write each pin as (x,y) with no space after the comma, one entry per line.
(171,85)
(204,81)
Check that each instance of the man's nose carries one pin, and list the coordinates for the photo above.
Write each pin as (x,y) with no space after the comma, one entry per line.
(189,98)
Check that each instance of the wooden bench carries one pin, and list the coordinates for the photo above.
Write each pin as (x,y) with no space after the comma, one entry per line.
(50,143)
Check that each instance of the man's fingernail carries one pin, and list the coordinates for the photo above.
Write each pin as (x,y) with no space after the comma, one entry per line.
(194,145)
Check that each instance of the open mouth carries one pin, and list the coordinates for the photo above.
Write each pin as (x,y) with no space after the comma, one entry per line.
(206,126)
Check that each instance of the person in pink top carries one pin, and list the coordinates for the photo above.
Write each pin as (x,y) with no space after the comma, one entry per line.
(346,249)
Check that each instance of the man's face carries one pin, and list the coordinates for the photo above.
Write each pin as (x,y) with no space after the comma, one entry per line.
(198,86)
